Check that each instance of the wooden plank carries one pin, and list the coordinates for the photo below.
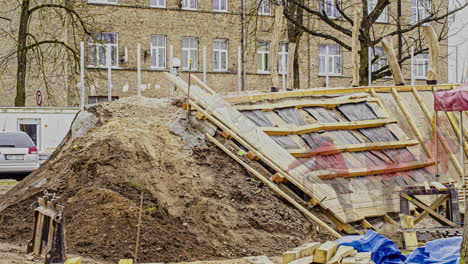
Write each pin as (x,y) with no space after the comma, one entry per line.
(327,150)
(201,84)
(434,48)
(326,103)
(246,97)
(305,260)
(356,45)
(375,170)
(411,122)
(424,207)
(290,66)
(342,252)
(289,256)
(274,187)
(439,186)
(293,130)
(277,26)
(325,252)
(366,224)
(307,250)
(393,62)
(389,220)
(411,241)
(438,202)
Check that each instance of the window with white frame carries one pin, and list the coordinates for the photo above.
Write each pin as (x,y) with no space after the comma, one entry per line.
(264,7)
(189,4)
(330,60)
(263,57)
(421,65)
(158,52)
(283,58)
(158,3)
(220,5)
(220,54)
(330,7)
(378,58)
(97,46)
(383,18)
(189,51)
(420,10)
(102,1)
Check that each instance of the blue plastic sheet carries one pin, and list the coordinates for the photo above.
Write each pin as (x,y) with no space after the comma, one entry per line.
(385,251)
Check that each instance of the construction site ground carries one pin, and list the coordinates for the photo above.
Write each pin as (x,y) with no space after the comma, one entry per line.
(198,203)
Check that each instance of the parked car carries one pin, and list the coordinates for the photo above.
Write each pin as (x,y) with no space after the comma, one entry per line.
(17,152)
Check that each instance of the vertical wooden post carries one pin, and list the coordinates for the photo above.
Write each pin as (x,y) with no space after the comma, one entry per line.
(434,48)
(356,46)
(82,83)
(290,69)
(277,26)
(138,69)
(393,62)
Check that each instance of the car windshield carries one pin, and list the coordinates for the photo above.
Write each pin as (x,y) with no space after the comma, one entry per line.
(15,140)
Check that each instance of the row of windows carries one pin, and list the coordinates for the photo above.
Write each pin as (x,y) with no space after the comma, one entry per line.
(420,9)
(330,56)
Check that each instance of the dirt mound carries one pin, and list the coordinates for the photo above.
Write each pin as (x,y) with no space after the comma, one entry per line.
(198,203)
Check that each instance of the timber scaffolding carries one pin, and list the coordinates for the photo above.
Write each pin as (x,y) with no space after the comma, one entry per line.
(347,151)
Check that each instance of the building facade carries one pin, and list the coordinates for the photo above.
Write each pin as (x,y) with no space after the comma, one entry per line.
(210,34)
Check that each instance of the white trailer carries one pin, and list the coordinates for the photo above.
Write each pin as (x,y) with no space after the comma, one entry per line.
(46,126)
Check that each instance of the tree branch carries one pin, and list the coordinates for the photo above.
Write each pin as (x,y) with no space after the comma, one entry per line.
(69,10)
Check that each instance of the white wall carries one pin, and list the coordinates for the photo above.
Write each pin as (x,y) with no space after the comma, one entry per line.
(458,45)
(54,123)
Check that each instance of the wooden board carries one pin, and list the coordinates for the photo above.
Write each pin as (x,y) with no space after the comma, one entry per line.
(325,252)
(327,103)
(411,241)
(327,150)
(291,130)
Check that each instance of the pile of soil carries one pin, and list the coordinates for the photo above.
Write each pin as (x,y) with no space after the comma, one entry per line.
(198,203)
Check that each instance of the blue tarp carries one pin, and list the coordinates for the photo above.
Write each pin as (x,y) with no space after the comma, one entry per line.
(385,251)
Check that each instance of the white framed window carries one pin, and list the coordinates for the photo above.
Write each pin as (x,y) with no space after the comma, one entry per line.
(158,3)
(383,18)
(220,54)
(189,4)
(97,45)
(420,10)
(102,2)
(189,51)
(263,57)
(158,52)
(330,7)
(330,60)
(220,5)
(32,127)
(421,65)
(283,58)
(264,7)
(381,60)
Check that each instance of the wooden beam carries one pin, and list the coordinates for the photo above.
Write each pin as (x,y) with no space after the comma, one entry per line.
(351,125)
(201,84)
(304,260)
(429,210)
(328,150)
(289,256)
(306,250)
(290,66)
(356,45)
(325,252)
(327,103)
(454,121)
(274,187)
(438,202)
(414,127)
(330,91)
(342,252)
(366,224)
(389,220)
(439,136)
(411,241)
(376,170)
(434,48)
(393,62)
(277,26)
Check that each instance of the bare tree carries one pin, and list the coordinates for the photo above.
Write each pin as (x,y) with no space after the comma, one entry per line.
(336,22)
(44,33)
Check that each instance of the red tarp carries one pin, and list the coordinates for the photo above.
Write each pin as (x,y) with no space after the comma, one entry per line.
(452,100)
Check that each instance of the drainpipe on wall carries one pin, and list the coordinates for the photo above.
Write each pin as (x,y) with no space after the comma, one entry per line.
(400,37)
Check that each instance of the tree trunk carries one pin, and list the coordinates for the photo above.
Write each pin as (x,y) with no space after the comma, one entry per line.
(296,66)
(364,64)
(294,36)
(22,52)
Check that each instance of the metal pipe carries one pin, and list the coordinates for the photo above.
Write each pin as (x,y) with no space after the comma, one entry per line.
(82,84)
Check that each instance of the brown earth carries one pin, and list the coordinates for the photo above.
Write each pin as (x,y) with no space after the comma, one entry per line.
(198,203)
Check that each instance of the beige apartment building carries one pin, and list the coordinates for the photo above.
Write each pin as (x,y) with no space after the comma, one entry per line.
(210,32)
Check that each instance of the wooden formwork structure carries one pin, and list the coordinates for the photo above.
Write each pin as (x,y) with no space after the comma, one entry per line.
(373,191)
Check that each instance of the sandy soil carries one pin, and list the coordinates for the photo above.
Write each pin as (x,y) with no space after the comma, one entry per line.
(198,203)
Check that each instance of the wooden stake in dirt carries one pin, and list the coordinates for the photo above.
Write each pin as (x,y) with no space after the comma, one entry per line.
(393,62)
(278,25)
(138,228)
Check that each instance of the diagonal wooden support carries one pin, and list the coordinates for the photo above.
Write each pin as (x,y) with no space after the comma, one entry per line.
(438,202)
(429,210)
